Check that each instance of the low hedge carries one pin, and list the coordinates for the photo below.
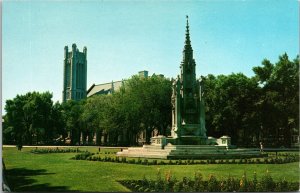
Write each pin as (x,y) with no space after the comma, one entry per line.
(54,150)
(145,161)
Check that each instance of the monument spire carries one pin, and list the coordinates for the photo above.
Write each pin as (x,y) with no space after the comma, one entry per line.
(187,50)
(187,33)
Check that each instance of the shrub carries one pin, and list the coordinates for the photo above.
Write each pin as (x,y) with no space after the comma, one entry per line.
(179,162)
(139,161)
(192,161)
(159,182)
(267,184)
(212,161)
(145,162)
(77,157)
(198,184)
(145,182)
(187,185)
(169,182)
(243,184)
(188,162)
(279,160)
(266,161)
(229,185)
(177,187)
(212,185)
(255,181)
(282,186)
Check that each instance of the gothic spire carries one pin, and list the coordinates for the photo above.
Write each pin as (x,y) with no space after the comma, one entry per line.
(187,50)
(187,33)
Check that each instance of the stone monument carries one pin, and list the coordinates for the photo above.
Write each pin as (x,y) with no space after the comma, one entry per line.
(188,138)
(188,118)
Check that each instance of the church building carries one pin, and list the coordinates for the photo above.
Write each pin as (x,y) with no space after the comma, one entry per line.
(75,74)
(110,87)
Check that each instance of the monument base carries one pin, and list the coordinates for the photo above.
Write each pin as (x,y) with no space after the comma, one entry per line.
(191,140)
(189,152)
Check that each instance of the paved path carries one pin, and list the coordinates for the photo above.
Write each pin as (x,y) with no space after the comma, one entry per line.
(55,146)
(109,147)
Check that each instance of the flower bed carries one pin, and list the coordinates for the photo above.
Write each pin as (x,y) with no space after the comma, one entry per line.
(170,184)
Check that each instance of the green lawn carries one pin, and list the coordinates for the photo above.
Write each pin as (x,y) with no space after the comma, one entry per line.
(57,172)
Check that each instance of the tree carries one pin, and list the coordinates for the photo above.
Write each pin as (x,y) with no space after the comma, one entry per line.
(230,107)
(280,100)
(147,103)
(57,123)
(28,117)
(72,114)
(98,116)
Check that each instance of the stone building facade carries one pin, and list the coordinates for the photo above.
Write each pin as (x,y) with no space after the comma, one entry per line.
(110,87)
(75,74)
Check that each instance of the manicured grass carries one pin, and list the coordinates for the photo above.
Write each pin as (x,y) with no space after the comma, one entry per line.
(57,172)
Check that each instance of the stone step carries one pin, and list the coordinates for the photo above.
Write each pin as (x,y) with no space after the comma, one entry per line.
(186,152)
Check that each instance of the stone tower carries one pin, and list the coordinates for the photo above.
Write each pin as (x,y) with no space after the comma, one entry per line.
(188,118)
(75,74)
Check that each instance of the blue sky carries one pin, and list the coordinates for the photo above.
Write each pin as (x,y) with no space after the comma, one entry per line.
(124,37)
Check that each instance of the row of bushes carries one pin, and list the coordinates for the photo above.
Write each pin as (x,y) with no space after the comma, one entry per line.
(107,152)
(171,184)
(283,154)
(84,156)
(145,161)
(54,150)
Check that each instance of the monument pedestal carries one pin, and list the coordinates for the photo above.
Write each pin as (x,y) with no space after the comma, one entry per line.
(170,151)
(191,140)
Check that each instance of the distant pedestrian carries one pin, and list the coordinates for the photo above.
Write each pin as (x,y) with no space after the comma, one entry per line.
(19,147)
(121,149)
(261,147)
(99,149)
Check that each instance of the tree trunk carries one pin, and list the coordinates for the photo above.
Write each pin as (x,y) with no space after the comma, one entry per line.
(98,137)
